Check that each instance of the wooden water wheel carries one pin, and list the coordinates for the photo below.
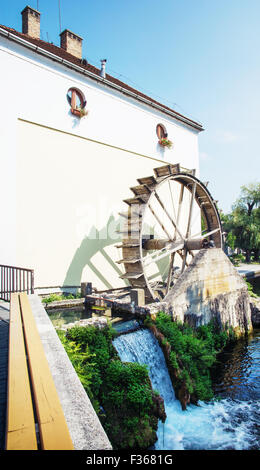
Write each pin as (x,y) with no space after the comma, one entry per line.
(171,216)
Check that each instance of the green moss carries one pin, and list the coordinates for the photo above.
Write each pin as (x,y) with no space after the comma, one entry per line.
(253,289)
(192,354)
(121,390)
(58,297)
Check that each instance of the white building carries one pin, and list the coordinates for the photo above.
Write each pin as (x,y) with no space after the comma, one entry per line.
(63,178)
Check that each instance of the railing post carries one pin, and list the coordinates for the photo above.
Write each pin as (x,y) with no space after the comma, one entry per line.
(32,281)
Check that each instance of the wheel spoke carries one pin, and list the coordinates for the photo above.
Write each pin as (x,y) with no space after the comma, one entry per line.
(174,212)
(168,215)
(191,209)
(159,222)
(205,235)
(162,253)
(169,278)
(179,206)
(189,225)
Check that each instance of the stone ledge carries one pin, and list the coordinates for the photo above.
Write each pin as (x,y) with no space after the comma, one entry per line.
(59,304)
(85,428)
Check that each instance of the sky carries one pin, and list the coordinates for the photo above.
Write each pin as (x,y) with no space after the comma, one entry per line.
(201,57)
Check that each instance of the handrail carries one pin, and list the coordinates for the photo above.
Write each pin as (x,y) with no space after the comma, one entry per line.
(15,279)
(15,267)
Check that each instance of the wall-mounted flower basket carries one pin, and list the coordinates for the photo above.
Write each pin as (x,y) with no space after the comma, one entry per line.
(165,143)
(79,112)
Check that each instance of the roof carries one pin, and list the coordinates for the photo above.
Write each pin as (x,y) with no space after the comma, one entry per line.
(94,72)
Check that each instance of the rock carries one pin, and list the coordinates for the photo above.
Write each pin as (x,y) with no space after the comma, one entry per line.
(255,312)
(184,396)
(98,322)
(159,407)
(181,392)
(210,289)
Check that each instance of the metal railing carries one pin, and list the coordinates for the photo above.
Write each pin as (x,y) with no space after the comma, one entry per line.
(15,279)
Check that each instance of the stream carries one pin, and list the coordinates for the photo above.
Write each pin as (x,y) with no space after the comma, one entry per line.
(229,421)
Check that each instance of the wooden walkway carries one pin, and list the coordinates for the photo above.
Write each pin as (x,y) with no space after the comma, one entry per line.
(4,339)
(84,426)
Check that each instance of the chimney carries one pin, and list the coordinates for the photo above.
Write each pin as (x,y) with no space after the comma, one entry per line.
(71,42)
(31,22)
(103,68)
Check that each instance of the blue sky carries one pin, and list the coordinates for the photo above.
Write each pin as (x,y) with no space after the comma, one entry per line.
(199,56)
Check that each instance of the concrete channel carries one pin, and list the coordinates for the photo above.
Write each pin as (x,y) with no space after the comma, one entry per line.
(85,428)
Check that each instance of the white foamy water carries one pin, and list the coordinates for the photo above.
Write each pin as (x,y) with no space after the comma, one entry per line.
(217,425)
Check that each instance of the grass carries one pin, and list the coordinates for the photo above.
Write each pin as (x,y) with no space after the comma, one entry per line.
(58,297)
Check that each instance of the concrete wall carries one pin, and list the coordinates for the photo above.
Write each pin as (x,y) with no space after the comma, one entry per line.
(211,289)
(62,175)
(84,426)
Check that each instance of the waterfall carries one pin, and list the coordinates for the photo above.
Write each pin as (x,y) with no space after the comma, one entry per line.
(142,347)
(217,425)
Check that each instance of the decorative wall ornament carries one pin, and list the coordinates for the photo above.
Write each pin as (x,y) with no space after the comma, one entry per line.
(166,143)
(77,102)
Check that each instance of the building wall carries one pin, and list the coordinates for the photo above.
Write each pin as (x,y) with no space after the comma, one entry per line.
(64,176)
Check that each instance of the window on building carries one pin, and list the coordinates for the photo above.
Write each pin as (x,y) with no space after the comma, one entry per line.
(77,101)
(161,131)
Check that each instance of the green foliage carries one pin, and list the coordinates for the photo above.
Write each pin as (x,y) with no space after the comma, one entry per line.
(243,224)
(57,297)
(254,286)
(237,259)
(123,390)
(193,353)
(83,362)
(251,290)
(249,197)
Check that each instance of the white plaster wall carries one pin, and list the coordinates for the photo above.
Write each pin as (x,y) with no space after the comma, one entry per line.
(66,194)
(40,86)
(50,179)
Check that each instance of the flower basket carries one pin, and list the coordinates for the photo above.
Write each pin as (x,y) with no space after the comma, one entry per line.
(165,143)
(79,112)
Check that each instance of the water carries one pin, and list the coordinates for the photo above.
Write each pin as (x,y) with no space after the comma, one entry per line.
(230,423)
(126,326)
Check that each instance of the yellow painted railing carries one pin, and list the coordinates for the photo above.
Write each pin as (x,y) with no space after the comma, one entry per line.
(32,395)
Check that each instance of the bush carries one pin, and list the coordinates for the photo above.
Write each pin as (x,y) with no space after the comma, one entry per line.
(237,259)
(59,297)
(121,390)
(251,290)
(193,353)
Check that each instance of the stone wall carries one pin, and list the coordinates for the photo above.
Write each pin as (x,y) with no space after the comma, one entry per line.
(210,289)
(255,312)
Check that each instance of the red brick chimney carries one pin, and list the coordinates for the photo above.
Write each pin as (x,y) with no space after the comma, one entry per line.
(71,42)
(31,22)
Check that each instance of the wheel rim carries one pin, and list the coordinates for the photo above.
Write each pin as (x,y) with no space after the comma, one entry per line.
(164,230)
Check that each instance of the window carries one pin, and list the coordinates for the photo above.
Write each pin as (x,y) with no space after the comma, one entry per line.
(161,131)
(77,102)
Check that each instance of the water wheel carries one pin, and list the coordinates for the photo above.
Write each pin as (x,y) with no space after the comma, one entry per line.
(171,216)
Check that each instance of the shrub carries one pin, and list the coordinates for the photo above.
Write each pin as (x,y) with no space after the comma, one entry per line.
(121,390)
(193,353)
(59,297)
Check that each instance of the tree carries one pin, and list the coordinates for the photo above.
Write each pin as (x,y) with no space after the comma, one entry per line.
(249,198)
(243,224)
